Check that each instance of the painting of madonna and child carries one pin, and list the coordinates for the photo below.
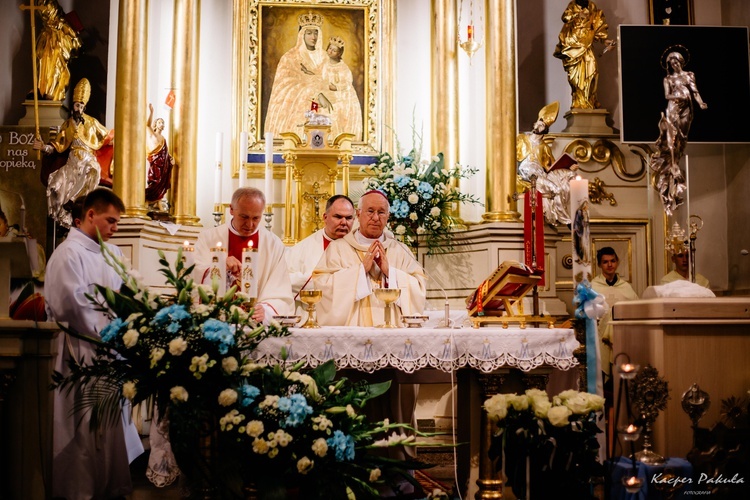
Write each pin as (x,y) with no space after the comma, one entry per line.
(312,56)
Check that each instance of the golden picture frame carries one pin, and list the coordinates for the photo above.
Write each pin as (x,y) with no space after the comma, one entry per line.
(264,30)
(670,12)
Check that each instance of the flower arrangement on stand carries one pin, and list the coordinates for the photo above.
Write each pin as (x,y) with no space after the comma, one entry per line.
(234,425)
(547,448)
(423,195)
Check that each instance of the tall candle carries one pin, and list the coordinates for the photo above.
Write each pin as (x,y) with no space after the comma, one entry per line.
(249,271)
(269,168)
(579,211)
(188,255)
(218,172)
(243,158)
(470,30)
(218,269)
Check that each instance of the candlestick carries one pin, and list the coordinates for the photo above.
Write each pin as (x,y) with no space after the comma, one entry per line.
(628,371)
(243,158)
(218,270)
(269,168)
(579,209)
(632,484)
(219,145)
(249,271)
(630,433)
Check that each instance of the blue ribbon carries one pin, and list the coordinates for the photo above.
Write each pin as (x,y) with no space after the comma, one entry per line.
(590,306)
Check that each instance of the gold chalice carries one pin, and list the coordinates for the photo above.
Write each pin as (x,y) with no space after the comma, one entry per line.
(311,297)
(389,296)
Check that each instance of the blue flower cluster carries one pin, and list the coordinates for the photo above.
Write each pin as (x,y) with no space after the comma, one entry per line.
(249,393)
(342,445)
(110,331)
(400,208)
(425,189)
(173,313)
(220,332)
(401,180)
(297,408)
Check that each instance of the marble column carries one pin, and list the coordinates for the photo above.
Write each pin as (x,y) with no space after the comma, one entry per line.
(500,60)
(444,105)
(185,52)
(130,113)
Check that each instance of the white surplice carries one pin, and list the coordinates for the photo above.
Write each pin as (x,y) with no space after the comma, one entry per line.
(86,464)
(621,290)
(347,289)
(274,288)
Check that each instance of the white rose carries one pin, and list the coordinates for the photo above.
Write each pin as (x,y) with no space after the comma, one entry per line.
(177,346)
(320,447)
(128,390)
(130,338)
(229,365)
(227,397)
(578,404)
(413,198)
(178,393)
(400,229)
(519,403)
(413,216)
(260,446)
(435,211)
(304,465)
(540,406)
(497,407)
(558,416)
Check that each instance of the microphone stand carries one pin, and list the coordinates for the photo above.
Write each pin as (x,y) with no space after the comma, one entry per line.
(447,323)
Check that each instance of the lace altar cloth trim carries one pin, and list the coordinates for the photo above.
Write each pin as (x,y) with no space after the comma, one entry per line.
(410,349)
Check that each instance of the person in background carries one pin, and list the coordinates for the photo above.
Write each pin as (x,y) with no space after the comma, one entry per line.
(681,271)
(86,464)
(5,228)
(303,257)
(614,289)
(274,288)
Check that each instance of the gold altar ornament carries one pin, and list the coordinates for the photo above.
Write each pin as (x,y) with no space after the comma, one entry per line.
(311,297)
(389,296)
(649,393)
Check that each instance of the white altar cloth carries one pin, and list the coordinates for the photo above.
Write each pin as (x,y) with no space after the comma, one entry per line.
(410,349)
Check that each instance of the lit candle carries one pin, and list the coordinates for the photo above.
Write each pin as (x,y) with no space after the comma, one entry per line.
(632,484)
(243,158)
(188,254)
(628,371)
(218,172)
(249,271)
(579,212)
(269,168)
(470,30)
(218,270)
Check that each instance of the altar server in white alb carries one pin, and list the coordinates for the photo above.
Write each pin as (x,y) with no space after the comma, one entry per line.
(305,255)
(86,464)
(274,288)
(366,258)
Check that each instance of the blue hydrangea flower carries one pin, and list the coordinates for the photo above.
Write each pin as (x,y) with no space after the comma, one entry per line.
(297,408)
(401,180)
(173,327)
(425,189)
(109,332)
(342,445)
(218,331)
(174,312)
(249,393)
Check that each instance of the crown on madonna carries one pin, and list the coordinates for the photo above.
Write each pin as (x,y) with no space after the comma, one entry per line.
(310,19)
(336,41)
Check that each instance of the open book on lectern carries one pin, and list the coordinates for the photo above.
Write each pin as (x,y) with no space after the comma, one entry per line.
(502,289)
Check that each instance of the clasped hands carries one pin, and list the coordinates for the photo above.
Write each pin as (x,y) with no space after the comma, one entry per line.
(234,267)
(376,255)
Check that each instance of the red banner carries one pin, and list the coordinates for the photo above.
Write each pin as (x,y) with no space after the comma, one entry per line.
(533,241)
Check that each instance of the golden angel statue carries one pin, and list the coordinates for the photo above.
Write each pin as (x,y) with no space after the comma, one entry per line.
(55,45)
(584,24)
(680,90)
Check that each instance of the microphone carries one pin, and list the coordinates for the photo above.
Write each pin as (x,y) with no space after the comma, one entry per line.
(446,323)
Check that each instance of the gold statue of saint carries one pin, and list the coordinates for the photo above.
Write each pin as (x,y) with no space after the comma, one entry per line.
(55,45)
(584,24)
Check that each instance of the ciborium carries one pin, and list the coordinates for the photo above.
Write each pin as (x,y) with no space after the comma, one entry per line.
(311,297)
(389,296)
(649,393)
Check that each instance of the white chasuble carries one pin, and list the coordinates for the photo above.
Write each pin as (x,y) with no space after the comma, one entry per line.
(274,289)
(347,289)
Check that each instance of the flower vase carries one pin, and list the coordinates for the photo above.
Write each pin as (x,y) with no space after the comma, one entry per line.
(196,451)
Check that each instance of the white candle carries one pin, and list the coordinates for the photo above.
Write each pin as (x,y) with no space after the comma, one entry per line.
(269,168)
(188,255)
(243,158)
(579,212)
(249,271)
(219,145)
(218,270)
